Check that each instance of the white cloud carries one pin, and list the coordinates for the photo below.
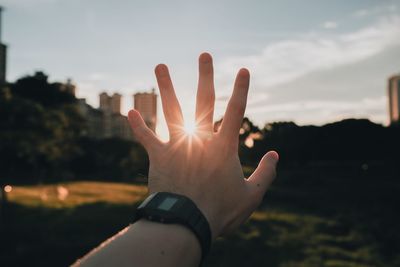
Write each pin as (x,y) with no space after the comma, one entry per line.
(321,111)
(287,60)
(293,74)
(330,25)
(97,76)
(335,106)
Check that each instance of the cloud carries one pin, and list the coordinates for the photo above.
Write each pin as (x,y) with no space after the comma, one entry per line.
(321,111)
(377,10)
(98,76)
(334,106)
(330,25)
(318,77)
(287,60)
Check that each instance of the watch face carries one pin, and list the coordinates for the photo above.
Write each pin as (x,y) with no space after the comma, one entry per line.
(167,203)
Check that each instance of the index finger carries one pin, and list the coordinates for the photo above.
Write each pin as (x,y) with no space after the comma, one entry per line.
(170,104)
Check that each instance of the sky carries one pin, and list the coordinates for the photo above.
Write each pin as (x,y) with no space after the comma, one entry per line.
(311,61)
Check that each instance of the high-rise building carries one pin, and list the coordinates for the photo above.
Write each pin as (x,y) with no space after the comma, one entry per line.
(110,104)
(116,103)
(114,124)
(146,104)
(394,98)
(3,56)
(104,101)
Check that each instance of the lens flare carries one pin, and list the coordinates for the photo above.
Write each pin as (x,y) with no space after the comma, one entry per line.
(190,128)
(8,188)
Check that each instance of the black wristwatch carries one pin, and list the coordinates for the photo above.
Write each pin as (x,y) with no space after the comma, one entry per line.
(172,208)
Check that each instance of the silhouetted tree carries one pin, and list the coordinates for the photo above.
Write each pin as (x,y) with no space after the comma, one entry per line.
(39,90)
(39,127)
(347,140)
(41,136)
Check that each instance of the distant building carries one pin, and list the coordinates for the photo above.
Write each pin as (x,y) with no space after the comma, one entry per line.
(146,104)
(394,98)
(110,103)
(114,123)
(94,120)
(3,62)
(106,121)
(68,87)
(3,56)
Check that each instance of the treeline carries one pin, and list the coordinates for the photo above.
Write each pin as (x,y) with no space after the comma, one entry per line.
(350,140)
(41,138)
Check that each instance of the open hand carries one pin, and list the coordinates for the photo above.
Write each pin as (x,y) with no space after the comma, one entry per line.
(205,165)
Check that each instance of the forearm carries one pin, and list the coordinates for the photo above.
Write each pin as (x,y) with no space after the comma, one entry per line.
(146,243)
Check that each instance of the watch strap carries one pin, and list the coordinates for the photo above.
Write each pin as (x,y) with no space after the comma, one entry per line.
(183,211)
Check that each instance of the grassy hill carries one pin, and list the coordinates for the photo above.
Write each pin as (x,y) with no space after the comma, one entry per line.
(309,218)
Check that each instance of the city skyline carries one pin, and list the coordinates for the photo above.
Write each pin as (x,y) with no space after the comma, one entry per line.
(311,63)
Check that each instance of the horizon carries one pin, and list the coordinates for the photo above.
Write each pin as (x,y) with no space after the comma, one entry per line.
(312,66)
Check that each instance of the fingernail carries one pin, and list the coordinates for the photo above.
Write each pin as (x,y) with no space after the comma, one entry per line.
(244,72)
(161,69)
(205,58)
(273,156)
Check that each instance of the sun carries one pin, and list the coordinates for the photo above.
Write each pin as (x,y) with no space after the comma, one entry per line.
(190,128)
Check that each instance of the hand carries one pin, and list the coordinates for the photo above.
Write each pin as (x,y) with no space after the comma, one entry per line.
(205,166)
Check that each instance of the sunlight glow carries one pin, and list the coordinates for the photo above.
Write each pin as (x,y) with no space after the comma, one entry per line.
(190,128)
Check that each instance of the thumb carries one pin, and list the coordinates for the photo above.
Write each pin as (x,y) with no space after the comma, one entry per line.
(264,174)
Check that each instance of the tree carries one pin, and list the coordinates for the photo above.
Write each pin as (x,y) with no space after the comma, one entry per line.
(40,124)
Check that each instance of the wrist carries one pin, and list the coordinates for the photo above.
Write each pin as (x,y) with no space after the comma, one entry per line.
(171,208)
(212,219)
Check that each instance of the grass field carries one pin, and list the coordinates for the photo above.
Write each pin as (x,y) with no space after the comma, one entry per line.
(344,219)
(74,194)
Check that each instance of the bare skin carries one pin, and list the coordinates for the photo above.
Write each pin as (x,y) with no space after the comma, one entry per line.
(204,166)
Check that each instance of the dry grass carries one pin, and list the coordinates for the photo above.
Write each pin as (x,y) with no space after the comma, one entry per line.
(72,194)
